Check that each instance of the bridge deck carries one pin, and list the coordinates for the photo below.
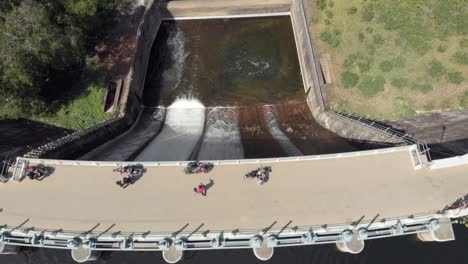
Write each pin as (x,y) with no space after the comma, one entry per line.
(328,191)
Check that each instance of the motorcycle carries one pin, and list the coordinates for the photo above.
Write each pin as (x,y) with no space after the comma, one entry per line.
(258,173)
(131,170)
(37,172)
(198,167)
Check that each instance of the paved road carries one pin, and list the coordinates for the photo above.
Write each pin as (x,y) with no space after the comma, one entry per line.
(328,191)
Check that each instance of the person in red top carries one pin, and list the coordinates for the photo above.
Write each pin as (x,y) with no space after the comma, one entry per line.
(201,189)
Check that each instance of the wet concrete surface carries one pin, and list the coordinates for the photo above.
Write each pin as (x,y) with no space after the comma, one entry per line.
(17,135)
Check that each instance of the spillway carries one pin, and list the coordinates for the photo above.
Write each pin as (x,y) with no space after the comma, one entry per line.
(183,127)
(289,148)
(222,139)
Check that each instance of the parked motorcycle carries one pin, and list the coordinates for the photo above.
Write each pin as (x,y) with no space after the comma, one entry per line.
(131,170)
(37,172)
(198,167)
(261,172)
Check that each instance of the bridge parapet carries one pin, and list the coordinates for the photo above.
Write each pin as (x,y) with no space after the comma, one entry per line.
(12,237)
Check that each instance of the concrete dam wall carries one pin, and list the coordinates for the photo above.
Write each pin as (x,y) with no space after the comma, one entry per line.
(77,144)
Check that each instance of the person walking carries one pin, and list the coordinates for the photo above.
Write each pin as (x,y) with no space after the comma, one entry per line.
(201,189)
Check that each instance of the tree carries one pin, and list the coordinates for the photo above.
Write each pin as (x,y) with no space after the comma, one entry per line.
(31,47)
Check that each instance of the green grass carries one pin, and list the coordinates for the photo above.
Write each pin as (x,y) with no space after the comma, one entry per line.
(413,48)
(464,100)
(84,111)
(78,109)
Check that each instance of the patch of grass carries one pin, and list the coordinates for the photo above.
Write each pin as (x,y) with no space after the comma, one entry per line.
(367,14)
(455,77)
(83,112)
(370,87)
(461,57)
(386,66)
(436,69)
(464,43)
(403,106)
(361,37)
(442,48)
(329,14)
(349,79)
(331,38)
(404,42)
(429,107)
(352,10)
(321,4)
(399,82)
(445,104)
(422,87)
(464,100)
(378,39)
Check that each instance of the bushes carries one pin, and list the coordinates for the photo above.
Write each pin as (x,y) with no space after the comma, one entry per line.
(464,43)
(436,69)
(367,14)
(371,86)
(352,10)
(399,82)
(349,79)
(386,66)
(455,77)
(330,38)
(461,57)
(422,87)
(321,4)
(378,39)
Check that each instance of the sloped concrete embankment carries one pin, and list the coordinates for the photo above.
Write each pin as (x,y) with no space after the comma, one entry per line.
(81,142)
(310,66)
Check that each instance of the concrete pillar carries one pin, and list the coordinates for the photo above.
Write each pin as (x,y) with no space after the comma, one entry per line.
(351,243)
(439,230)
(262,251)
(81,254)
(6,249)
(172,254)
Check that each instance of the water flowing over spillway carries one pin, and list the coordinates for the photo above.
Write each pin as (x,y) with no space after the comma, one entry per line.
(275,131)
(222,139)
(125,146)
(183,127)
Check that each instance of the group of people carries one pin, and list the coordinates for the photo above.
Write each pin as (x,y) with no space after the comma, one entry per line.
(259,174)
(37,172)
(130,174)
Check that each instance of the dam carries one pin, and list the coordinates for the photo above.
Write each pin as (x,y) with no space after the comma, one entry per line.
(225,89)
(234,83)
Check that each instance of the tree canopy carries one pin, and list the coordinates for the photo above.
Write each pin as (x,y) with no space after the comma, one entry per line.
(43,39)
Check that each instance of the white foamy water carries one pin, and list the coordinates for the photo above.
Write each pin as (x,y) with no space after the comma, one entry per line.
(222,138)
(183,127)
(172,76)
(278,135)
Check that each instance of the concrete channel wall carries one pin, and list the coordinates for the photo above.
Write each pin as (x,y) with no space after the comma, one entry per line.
(313,80)
(80,142)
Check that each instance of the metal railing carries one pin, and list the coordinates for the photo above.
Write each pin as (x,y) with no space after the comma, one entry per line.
(423,148)
(237,239)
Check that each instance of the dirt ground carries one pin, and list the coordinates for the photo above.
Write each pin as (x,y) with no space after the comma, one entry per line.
(115,53)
